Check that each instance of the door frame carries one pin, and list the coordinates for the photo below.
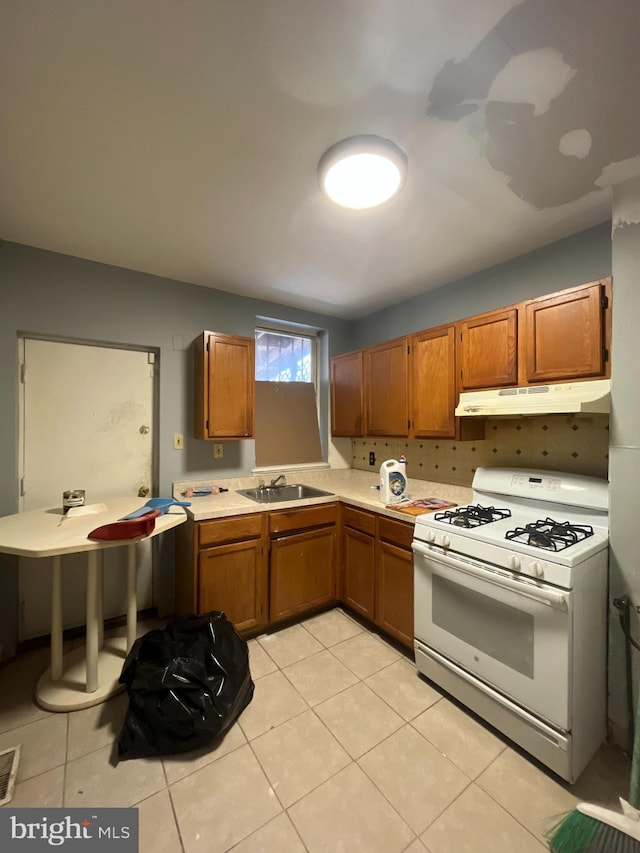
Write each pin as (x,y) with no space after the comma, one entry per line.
(61,339)
(154,362)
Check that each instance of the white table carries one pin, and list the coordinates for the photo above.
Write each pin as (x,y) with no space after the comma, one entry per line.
(88,675)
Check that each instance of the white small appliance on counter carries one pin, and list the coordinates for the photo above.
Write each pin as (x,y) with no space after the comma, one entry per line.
(393,481)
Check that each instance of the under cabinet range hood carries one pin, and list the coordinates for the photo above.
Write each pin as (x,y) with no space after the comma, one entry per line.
(593,396)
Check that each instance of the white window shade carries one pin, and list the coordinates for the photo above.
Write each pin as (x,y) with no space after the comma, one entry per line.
(286,426)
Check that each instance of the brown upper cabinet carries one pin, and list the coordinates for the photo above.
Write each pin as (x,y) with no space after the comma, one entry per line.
(386,388)
(432,388)
(224,371)
(346,395)
(565,334)
(410,386)
(488,349)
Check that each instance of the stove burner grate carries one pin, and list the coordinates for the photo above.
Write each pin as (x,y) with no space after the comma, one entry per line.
(550,535)
(473,515)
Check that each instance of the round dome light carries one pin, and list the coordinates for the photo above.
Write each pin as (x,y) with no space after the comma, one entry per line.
(362,171)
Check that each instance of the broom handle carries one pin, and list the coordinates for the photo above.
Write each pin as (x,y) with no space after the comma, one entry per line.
(634,786)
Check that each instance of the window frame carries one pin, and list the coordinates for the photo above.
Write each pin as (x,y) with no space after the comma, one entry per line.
(294,330)
(314,334)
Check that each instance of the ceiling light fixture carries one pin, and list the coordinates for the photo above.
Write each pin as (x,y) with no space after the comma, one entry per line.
(362,171)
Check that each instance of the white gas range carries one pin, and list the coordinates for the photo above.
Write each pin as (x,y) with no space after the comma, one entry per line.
(511,608)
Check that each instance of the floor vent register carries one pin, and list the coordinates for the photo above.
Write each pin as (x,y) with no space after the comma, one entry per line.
(9,759)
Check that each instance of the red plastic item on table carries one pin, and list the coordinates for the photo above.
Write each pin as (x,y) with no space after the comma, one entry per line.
(130,529)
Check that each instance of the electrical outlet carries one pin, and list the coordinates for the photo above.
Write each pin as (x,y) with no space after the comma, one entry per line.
(178,441)
(218,451)
(372,458)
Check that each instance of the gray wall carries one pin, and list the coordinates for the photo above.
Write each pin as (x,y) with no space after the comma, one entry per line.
(584,257)
(51,294)
(60,296)
(624,462)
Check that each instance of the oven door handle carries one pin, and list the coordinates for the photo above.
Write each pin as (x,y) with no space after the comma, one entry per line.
(557,600)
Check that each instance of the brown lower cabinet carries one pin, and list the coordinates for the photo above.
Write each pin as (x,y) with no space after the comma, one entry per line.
(222,565)
(394,579)
(377,571)
(303,557)
(302,574)
(358,561)
(258,568)
(263,568)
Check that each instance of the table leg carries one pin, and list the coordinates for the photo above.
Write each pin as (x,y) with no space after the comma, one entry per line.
(56,619)
(92,621)
(100,600)
(132,603)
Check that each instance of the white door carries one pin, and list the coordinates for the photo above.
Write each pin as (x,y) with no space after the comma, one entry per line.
(86,423)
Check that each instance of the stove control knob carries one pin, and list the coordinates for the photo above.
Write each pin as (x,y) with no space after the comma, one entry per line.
(446,541)
(514,563)
(431,536)
(537,569)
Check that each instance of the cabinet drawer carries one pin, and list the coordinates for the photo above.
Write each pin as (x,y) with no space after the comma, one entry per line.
(360,520)
(232,529)
(287,520)
(397,532)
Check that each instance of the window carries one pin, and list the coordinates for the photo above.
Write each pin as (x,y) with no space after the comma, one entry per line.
(287,431)
(284,357)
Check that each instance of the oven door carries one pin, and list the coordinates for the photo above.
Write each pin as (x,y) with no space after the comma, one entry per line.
(512,633)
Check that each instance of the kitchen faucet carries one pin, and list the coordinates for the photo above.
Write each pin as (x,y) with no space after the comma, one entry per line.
(279,477)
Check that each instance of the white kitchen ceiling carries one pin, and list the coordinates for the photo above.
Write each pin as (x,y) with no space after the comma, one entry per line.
(182,138)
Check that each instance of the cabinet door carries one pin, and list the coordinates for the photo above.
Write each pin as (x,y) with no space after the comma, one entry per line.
(346,394)
(394,597)
(433,383)
(224,386)
(232,578)
(565,335)
(386,389)
(302,572)
(489,350)
(358,578)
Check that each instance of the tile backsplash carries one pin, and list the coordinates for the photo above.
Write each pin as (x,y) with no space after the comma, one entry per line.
(579,444)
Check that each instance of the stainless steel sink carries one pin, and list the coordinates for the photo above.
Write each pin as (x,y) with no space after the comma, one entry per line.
(277,494)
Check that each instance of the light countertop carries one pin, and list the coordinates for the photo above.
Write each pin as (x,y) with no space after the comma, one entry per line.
(346,484)
(47,532)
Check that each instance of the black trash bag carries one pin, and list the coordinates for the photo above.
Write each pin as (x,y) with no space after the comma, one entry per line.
(187,683)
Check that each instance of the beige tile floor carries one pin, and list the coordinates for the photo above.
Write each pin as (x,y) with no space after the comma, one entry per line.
(344,748)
